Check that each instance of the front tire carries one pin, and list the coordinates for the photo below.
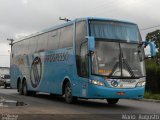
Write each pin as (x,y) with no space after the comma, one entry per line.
(68,94)
(112,101)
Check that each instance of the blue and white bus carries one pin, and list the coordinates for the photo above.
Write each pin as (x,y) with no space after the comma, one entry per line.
(90,58)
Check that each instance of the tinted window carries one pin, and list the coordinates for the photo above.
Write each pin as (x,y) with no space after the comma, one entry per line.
(80,35)
(53,39)
(114,30)
(84,60)
(66,36)
(33,44)
(42,42)
(19,48)
(25,46)
(14,49)
(80,38)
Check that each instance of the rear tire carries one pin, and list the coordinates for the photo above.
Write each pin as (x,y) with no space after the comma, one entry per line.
(31,93)
(19,88)
(25,90)
(68,94)
(112,101)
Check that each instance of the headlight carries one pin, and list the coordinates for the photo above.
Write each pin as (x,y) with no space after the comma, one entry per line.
(140,84)
(96,82)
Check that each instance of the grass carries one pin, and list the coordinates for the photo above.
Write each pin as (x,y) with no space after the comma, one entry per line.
(149,95)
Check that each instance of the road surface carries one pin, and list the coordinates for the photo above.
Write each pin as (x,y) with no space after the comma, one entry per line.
(45,106)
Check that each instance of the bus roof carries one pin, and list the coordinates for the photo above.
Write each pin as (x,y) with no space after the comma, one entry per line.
(103,19)
(69,23)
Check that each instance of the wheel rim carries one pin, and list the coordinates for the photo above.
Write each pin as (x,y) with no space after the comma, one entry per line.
(68,93)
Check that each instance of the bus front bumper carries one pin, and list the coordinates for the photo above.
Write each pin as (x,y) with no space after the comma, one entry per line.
(101,92)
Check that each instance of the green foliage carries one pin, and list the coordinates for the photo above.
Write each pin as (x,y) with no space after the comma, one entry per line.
(153,76)
(150,95)
(152,66)
(154,36)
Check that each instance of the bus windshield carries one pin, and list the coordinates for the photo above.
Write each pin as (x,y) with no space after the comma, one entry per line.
(115,59)
(115,31)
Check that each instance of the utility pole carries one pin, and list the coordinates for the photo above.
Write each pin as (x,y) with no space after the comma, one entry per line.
(11,42)
(65,19)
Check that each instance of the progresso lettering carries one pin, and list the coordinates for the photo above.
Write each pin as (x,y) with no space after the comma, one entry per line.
(56,57)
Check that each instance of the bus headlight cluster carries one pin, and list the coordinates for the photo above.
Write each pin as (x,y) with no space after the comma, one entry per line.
(96,82)
(141,84)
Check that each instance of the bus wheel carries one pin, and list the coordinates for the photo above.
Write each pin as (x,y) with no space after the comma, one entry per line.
(112,101)
(19,88)
(32,93)
(25,89)
(68,94)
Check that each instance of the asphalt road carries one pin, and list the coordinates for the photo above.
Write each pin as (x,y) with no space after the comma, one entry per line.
(44,106)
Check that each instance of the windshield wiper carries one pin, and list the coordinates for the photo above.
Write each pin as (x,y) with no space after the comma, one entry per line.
(129,68)
(120,64)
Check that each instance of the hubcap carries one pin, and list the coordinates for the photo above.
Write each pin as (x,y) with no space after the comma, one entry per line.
(68,94)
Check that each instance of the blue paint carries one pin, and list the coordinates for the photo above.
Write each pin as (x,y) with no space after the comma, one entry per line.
(60,64)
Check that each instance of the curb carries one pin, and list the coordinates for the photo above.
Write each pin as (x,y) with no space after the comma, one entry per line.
(149,100)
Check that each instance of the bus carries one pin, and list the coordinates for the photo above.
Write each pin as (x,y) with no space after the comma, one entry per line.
(88,58)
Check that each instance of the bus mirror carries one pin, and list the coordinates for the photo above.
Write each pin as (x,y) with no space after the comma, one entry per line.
(151,51)
(91,44)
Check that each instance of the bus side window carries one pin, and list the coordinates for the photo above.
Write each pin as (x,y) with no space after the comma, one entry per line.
(42,42)
(80,38)
(19,47)
(32,45)
(25,47)
(53,40)
(13,51)
(84,60)
(66,37)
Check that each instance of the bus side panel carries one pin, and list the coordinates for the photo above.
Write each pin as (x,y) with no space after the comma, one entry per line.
(60,70)
(17,64)
(56,65)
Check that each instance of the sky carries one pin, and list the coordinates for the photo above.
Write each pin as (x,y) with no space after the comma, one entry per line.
(19,18)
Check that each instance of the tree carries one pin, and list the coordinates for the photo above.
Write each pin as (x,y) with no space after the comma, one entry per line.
(152,69)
